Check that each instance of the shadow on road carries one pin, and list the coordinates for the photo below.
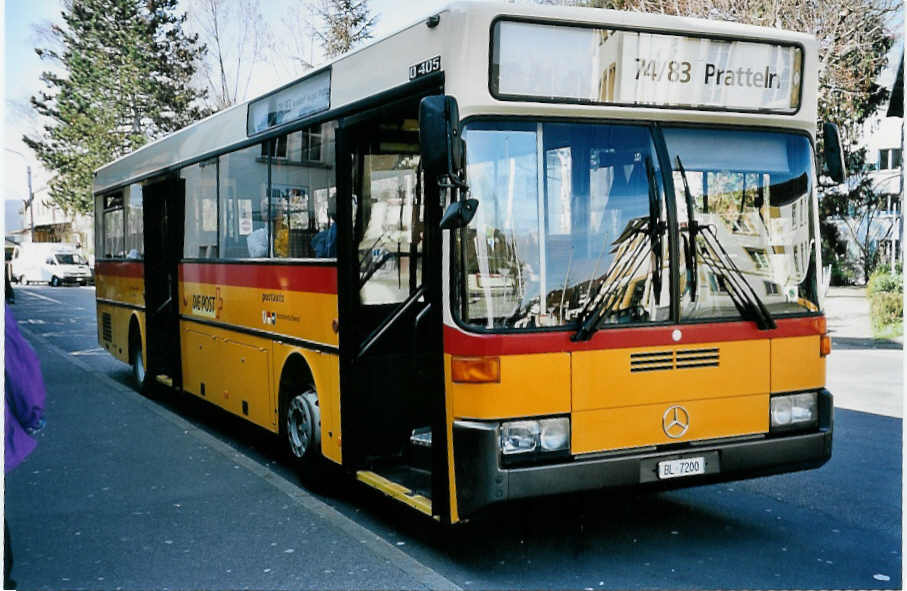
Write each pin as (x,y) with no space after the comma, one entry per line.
(863,343)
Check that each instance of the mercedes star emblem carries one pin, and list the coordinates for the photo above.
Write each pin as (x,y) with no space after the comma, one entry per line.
(675,422)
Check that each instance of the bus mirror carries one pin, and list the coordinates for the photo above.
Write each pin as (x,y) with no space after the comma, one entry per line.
(834,154)
(439,135)
(459,213)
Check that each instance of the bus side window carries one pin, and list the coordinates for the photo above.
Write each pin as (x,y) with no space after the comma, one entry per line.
(302,193)
(243,204)
(114,226)
(200,239)
(391,244)
(135,243)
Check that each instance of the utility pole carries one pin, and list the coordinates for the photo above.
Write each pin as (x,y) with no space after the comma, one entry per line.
(30,202)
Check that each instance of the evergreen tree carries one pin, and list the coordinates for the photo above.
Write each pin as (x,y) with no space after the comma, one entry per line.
(346,23)
(123,78)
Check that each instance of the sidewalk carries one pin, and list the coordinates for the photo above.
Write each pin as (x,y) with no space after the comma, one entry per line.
(863,373)
(123,493)
(847,312)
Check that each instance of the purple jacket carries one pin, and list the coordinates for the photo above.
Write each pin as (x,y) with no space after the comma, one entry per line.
(25,395)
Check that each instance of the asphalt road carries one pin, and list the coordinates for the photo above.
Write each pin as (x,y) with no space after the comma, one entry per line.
(126,492)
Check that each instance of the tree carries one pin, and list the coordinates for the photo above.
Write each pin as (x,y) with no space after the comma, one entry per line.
(123,71)
(236,36)
(857,210)
(345,23)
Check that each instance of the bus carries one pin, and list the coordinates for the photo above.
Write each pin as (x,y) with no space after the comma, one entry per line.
(505,252)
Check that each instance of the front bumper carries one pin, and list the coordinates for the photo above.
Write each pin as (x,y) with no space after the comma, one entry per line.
(481,480)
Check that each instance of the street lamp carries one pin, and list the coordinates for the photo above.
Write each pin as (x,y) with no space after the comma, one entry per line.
(31,198)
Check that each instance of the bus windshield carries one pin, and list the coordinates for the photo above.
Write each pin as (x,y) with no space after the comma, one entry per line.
(753,221)
(572,225)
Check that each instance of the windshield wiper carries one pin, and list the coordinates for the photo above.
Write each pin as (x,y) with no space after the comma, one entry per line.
(656,228)
(742,293)
(692,231)
(744,297)
(627,263)
(612,290)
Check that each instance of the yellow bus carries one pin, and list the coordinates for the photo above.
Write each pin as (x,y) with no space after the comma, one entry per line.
(508,251)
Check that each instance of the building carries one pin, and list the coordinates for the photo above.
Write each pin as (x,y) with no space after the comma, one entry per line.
(52,224)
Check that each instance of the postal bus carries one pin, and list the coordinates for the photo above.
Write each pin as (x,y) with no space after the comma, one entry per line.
(508,251)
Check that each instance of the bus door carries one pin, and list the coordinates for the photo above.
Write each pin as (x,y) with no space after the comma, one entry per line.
(163,230)
(392,387)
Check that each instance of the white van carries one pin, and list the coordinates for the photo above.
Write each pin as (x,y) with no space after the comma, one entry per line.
(55,263)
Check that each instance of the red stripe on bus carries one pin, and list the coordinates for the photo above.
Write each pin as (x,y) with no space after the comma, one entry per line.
(459,342)
(120,268)
(311,278)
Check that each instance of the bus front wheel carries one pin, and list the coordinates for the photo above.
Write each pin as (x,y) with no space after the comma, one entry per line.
(303,427)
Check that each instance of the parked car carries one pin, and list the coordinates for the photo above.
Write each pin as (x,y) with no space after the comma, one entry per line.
(54,263)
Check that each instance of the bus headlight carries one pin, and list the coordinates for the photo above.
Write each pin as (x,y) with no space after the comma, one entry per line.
(554,434)
(519,437)
(793,410)
(544,435)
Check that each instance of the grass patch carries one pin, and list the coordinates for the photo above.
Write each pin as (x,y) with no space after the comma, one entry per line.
(889,331)
(886,303)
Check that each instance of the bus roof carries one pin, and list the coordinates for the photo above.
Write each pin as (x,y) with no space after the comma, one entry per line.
(462,39)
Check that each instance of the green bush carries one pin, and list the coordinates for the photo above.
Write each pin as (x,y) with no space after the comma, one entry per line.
(883,281)
(886,300)
(886,308)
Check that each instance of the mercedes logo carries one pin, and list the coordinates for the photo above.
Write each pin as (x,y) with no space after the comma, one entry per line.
(675,422)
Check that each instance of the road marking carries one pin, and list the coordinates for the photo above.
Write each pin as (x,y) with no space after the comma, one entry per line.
(92,351)
(376,544)
(39,296)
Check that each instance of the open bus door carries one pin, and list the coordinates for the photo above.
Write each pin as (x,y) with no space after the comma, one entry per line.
(389,280)
(163,204)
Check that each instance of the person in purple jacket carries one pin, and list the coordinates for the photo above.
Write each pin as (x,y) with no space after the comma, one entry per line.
(25,395)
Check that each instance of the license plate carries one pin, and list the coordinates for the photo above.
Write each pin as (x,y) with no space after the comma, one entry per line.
(681,467)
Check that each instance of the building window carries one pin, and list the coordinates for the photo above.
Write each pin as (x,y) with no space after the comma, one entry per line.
(890,158)
(311,143)
(759,257)
(280,147)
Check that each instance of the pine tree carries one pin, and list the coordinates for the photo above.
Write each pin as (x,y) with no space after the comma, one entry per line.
(123,78)
(346,23)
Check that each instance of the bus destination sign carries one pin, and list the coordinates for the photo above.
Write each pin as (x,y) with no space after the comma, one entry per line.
(613,66)
(306,97)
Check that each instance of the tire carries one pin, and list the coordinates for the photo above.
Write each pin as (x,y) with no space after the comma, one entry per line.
(55,281)
(139,373)
(302,428)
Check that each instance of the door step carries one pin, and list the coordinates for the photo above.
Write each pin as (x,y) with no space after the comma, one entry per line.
(166,380)
(395,490)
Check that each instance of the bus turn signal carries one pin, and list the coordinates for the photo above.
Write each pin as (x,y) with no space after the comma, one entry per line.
(824,345)
(475,369)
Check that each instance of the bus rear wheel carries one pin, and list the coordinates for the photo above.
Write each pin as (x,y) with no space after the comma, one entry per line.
(137,361)
(303,427)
